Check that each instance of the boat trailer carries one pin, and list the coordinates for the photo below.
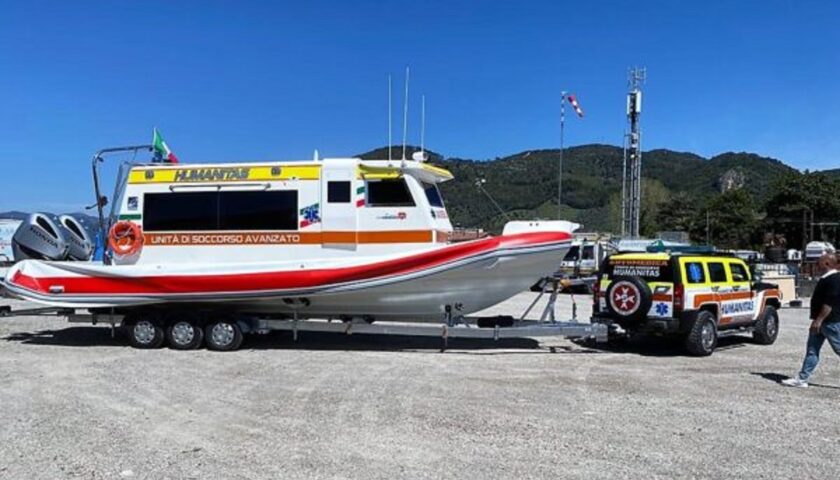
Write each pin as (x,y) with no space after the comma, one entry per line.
(452,326)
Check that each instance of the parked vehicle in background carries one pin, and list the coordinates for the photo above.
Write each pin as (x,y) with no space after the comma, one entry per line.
(693,297)
(815,250)
(585,257)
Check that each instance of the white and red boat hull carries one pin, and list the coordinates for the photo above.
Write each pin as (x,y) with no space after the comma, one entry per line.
(469,277)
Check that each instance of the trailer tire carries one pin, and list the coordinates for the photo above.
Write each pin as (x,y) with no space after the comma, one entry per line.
(223,335)
(184,332)
(767,327)
(144,331)
(702,336)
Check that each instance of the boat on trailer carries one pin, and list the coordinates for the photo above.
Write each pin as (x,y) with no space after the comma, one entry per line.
(198,247)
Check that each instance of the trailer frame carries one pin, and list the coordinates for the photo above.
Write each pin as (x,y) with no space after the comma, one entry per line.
(452,325)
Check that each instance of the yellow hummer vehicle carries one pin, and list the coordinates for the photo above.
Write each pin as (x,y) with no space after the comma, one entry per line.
(696,296)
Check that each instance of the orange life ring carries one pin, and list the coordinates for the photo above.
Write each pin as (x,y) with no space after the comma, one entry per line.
(125,238)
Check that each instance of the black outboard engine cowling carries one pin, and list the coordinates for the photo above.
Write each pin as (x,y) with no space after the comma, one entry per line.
(78,241)
(38,237)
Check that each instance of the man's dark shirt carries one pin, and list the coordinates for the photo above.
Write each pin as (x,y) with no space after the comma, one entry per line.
(827,292)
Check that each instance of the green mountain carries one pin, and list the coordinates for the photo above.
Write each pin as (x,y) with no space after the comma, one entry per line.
(525,184)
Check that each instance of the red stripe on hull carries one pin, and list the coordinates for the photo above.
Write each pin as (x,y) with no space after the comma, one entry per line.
(185,284)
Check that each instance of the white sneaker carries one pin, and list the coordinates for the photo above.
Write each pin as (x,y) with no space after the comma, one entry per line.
(795,382)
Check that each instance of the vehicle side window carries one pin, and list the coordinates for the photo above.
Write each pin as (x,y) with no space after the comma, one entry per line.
(717,272)
(433,194)
(389,193)
(738,272)
(694,272)
(338,192)
(214,211)
(271,210)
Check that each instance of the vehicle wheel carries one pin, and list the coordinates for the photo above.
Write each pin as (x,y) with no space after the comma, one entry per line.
(144,331)
(767,327)
(628,299)
(184,332)
(223,335)
(702,338)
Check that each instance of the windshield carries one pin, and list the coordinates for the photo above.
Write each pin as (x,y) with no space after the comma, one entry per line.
(433,194)
(572,254)
(119,191)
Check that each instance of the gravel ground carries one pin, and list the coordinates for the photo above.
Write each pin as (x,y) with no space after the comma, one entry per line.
(76,404)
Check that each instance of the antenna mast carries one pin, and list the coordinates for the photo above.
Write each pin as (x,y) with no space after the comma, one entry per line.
(563,95)
(405,112)
(631,201)
(390,121)
(423,123)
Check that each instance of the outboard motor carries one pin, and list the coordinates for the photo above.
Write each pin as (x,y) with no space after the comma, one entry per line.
(40,238)
(78,241)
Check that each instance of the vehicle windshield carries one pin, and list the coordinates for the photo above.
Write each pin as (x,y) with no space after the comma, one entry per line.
(433,194)
(648,270)
(119,191)
(573,254)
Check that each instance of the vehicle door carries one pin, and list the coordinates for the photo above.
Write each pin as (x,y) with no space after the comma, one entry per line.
(721,289)
(742,306)
(339,215)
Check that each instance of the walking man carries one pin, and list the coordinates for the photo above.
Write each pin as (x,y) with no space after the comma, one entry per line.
(825,319)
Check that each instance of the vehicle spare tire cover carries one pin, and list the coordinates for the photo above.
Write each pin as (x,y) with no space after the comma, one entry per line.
(629,298)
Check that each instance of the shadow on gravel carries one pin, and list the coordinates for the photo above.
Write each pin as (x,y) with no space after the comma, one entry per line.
(68,337)
(651,346)
(778,377)
(405,343)
(99,336)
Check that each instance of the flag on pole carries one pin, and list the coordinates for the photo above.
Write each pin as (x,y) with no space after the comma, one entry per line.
(161,149)
(574,103)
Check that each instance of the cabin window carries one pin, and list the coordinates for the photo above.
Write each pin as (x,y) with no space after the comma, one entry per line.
(187,211)
(738,272)
(273,210)
(717,273)
(433,194)
(695,273)
(203,211)
(338,192)
(389,193)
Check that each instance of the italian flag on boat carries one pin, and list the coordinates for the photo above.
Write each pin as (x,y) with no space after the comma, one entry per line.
(162,151)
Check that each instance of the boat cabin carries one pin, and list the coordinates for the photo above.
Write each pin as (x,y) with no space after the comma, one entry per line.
(249,212)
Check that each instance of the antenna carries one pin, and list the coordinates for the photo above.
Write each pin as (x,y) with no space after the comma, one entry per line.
(390,122)
(632,175)
(405,111)
(421,155)
(423,123)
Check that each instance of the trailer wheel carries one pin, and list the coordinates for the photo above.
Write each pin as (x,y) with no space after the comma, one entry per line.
(702,338)
(184,332)
(767,327)
(223,335)
(144,331)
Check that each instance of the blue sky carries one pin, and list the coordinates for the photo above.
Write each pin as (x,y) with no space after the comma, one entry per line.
(276,80)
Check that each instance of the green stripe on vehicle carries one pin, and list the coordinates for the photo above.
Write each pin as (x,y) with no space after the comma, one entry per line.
(133,216)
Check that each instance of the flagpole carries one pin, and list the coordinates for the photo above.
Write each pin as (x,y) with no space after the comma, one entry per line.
(560,166)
